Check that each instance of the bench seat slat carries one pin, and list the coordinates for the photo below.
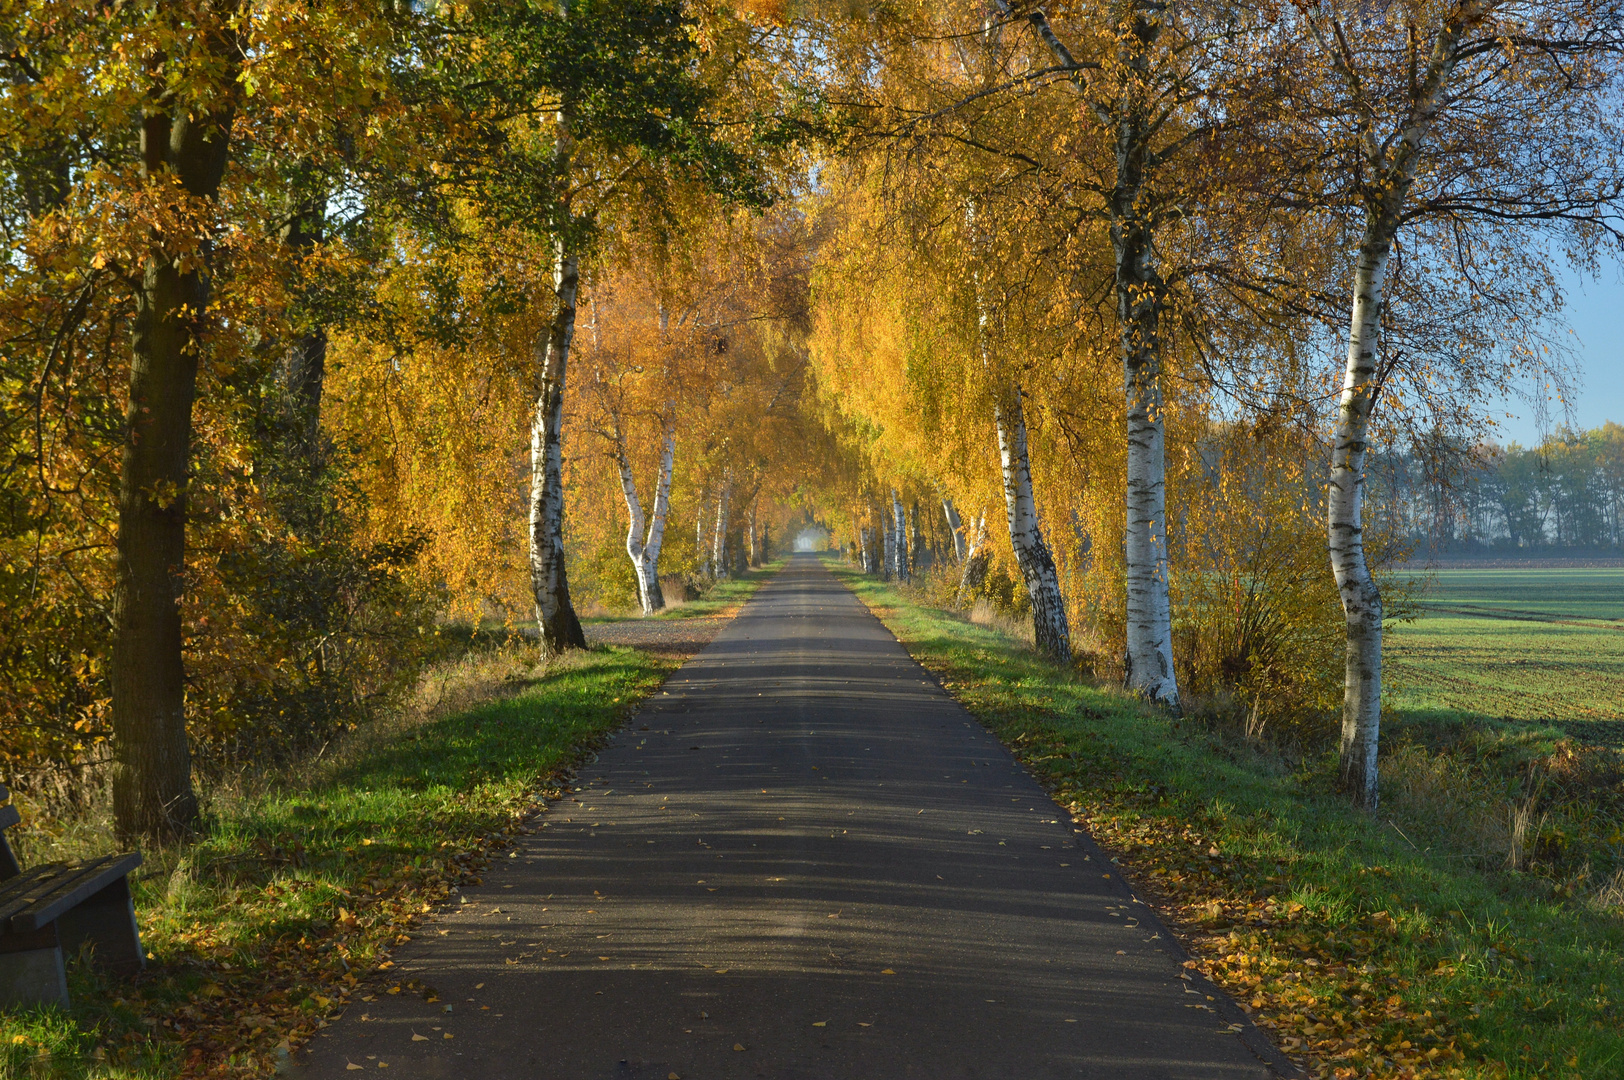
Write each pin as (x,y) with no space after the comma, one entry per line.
(16,893)
(47,897)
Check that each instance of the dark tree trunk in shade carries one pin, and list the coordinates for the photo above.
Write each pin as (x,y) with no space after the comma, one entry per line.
(152,774)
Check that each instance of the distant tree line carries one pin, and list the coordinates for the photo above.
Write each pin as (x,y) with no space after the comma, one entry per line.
(1566,493)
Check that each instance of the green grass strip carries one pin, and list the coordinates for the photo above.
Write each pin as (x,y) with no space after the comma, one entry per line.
(1363,955)
(285,908)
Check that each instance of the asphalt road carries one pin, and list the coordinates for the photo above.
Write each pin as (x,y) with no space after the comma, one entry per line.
(800,860)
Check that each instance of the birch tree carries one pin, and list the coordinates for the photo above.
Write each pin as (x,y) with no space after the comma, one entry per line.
(1105,122)
(1049,623)
(587,115)
(1456,145)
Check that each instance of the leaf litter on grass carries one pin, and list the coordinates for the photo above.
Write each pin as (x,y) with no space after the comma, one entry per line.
(1361,957)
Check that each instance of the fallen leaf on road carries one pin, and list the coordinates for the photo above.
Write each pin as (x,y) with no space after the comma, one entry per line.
(479,986)
(861,1024)
(887,971)
(672,1076)
(820,1023)
(447,1035)
(419,1038)
(352,1065)
(738,1046)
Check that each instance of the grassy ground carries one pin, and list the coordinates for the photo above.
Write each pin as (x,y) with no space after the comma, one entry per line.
(722,598)
(286,907)
(1543,645)
(1364,953)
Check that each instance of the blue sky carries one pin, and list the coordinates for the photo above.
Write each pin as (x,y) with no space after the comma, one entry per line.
(1595,312)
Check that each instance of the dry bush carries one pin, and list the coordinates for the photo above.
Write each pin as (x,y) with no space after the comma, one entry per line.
(677,590)
(1258,623)
(985,613)
(1610,895)
(1436,802)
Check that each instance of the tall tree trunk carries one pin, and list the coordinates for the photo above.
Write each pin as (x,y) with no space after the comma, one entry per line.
(955,528)
(1141,298)
(1049,624)
(555,614)
(920,551)
(1390,168)
(977,554)
(635,525)
(549,582)
(305,368)
(654,598)
(719,544)
(701,549)
(152,766)
(751,559)
(888,527)
(899,520)
(643,545)
(1361,599)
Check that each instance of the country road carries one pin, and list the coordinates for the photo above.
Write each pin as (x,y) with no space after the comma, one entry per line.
(800,861)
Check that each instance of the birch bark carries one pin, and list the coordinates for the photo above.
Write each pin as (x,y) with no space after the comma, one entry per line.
(918,549)
(1049,624)
(889,532)
(955,528)
(549,582)
(655,599)
(701,549)
(555,614)
(643,543)
(1391,168)
(1141,296)
(899,520)
(976,556)
(719,541)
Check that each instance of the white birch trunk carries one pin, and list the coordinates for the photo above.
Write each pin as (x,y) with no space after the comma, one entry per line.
(1391,168)
(899,519)
(977,554)
(955,528)
(1141,298)
(719,541)
(1361,599)
(889,532)
(559,627)
(644,548)
(555,614)
(1049,624)
(635,523)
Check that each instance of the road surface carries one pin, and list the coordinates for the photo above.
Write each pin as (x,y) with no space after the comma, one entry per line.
(801,860)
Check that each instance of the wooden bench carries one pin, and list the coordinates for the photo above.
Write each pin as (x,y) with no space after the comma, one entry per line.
(50,911)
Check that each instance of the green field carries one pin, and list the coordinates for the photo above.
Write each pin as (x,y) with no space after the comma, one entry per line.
(1541,645)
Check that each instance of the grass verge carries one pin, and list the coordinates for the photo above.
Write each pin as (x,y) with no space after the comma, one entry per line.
(288,904)
(1363,955)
